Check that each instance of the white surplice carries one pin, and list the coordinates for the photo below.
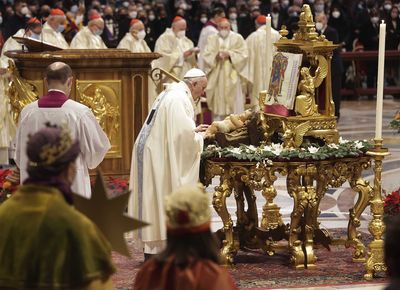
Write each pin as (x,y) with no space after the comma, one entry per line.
(85,39)
(224,87)
(50,36)
(204,34)
(165,156)
(172,48)
(256,69)
(93,141)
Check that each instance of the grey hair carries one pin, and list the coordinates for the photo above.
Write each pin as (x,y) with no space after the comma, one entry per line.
(193,80)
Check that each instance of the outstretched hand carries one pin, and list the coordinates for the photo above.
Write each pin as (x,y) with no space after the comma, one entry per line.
(201,128)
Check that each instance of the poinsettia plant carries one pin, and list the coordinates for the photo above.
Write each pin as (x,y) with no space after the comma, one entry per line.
(392,203)
(7,187)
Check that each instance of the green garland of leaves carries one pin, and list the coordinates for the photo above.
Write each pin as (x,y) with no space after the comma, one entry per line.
(277,152)
(395,124)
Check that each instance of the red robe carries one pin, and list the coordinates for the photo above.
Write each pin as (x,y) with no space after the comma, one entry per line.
(198,275)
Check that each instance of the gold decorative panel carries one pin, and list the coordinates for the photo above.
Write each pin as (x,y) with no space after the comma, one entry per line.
(103,97)
(39,87)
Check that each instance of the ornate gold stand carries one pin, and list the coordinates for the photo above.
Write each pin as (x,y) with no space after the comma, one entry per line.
(375,262)
(307,182)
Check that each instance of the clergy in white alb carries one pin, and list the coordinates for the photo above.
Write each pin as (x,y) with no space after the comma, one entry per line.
(53,28)
(57,108)
(89,36)
(165,156)
(256,69)
(7,124)
(209,28)
(225,58)
(178,52)
(134,42)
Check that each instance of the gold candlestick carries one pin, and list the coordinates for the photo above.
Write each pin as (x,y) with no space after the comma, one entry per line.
(375,262)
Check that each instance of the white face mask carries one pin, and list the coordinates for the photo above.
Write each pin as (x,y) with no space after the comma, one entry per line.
(1,19)
(141,34)
(319,7)
(319,26)
(335,14)
(233,16)
(25,10)
(387,6)
(375,19)
(133,14)
(98,32)
(203,20)
(74,9)
(125,4)
(152,17)
(181,34)
(224,33)
(35,35)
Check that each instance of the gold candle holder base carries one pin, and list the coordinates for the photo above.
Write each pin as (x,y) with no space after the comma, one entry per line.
(375,261)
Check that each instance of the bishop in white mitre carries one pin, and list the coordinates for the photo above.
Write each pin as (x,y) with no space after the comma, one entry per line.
(7,124)
(225,58)
(53,28)
(165,156)
(257,69)
(89,36)
(178,52)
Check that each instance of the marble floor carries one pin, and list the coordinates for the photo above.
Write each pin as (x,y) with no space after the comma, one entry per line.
(357,122)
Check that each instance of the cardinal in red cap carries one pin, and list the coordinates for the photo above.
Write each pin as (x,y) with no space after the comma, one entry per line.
(257,72)
(134,39)
(178,52)
(89,36)
(53,28)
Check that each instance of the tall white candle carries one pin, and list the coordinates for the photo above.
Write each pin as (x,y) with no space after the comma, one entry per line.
(380,81)
(268,47)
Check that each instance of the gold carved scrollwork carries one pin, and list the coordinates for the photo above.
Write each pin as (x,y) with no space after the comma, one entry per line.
(104,99)
(20,92)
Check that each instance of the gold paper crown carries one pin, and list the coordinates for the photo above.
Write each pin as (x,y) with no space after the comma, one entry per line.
(187,207)
(51,152)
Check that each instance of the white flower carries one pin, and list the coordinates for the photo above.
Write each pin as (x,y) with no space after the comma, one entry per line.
(358,144)
(343,141)
(235,150)
(252,148)
(333,146)
(276,148)
(267,148)
(313,149)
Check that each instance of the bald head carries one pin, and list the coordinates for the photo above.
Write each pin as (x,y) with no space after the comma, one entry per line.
(58,76)
(179,25)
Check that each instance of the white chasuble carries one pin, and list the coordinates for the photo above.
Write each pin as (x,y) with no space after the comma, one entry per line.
(204,34)
(93,141)
(256,69)
(133,44)
(224,88)
(172,48)
(50,36)
(166,155)
(85,39)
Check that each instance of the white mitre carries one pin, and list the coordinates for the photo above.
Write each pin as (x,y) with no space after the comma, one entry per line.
(194,73)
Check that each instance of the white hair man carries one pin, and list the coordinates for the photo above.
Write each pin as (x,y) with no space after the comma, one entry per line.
(225,57)
(178,53)
(89,36)
(53,28)
(256,70)
(166,155)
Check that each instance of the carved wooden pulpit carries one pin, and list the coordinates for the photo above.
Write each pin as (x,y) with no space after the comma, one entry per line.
(112,82)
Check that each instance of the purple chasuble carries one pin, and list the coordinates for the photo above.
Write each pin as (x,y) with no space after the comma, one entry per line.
(53,99)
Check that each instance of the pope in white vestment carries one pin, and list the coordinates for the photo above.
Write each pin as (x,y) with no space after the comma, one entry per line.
(209,28)
(53,27)
(165,156)
(7,124)
(178,52)
(256,70)
(225,58)
(56,108)
(89,36)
